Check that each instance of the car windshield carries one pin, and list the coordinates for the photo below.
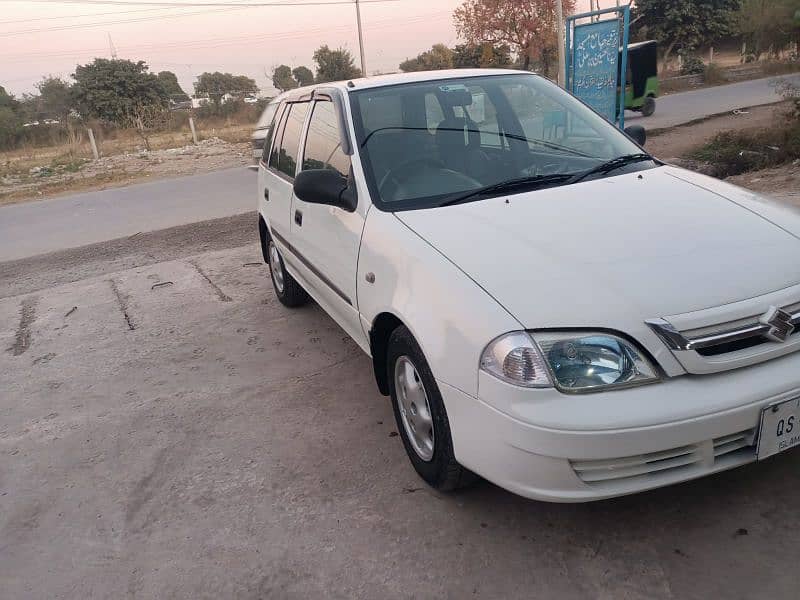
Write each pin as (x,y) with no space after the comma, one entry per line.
(431,143)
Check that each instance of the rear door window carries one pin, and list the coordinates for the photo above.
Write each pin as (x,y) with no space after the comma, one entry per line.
(290,144)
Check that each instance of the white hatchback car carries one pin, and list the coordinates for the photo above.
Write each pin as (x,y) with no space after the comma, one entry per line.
(547,305)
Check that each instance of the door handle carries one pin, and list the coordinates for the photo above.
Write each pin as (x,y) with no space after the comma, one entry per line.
(298,218)
(266,194)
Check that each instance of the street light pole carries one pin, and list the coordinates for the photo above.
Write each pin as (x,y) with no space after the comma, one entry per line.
(561,50)
(361,40)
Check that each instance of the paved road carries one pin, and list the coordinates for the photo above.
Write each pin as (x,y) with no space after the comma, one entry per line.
(681,108)
(66,222)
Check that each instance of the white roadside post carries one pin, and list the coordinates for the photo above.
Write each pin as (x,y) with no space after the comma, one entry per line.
(194,132)
(95,153)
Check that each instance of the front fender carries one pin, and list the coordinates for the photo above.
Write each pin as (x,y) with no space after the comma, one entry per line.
(451,316)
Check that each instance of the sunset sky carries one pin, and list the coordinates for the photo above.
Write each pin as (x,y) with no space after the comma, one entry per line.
(48,37)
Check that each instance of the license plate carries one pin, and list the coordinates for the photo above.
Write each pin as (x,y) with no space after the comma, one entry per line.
(780,428)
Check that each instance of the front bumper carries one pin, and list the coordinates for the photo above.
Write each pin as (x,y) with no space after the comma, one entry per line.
(545,445)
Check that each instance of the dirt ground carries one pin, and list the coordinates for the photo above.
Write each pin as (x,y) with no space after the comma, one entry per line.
(679,141)
(122,169)
(169,430)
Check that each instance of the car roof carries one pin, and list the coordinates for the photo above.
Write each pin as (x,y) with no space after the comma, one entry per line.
(377,81)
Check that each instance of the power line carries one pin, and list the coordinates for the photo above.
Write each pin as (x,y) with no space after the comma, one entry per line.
(207,4)
(228,7)
(102,14)
(116,22)
(249,39)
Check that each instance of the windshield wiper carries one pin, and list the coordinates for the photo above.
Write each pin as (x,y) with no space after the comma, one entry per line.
(532,183)
(611,165)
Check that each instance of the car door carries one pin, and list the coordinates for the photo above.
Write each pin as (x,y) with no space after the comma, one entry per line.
(279,171)
(327,238)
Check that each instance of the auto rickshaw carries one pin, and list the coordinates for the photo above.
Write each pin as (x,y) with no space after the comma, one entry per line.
(641,90)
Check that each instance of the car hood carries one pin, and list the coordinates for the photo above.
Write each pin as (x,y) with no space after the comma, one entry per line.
(635,246)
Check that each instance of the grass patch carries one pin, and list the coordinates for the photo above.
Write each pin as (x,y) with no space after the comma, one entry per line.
(736,152)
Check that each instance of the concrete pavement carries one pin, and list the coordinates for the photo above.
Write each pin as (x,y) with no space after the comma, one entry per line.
(199,440)
(32,228)
(684,107)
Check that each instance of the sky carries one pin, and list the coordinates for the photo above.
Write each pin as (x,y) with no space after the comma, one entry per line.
(49,37)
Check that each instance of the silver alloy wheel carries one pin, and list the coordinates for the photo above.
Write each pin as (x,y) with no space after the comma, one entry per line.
(275,266)
(415,411)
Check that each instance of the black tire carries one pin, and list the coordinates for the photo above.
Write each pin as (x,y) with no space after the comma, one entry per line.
(649,106)
(289,292)
(442,471)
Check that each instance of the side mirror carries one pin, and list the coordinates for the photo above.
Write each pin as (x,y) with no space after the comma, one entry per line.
(637,133)
(324,186)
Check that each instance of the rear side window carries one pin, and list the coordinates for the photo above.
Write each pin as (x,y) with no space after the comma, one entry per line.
(272,124)
(323,142)
(290,144)
(277,134)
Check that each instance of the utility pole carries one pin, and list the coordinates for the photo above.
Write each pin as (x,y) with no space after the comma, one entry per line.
(562,62)
(111,47)
(361,40)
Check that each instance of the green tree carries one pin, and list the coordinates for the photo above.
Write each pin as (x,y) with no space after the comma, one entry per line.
(282,78)
(335,65)
(113,89)
(55,98)
(766,24)
(217,84)
(683,25)
(437,58)
(527,27)
(10,120)
(484,56)
(170,82)
(303,76)
(7,100)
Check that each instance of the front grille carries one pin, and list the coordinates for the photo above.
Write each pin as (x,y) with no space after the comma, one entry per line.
(747,336)
(654,466)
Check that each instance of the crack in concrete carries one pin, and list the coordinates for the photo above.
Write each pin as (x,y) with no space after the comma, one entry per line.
(220,294)
(27,315)
(122,301)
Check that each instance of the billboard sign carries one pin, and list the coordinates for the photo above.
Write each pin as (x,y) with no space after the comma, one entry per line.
(595,65)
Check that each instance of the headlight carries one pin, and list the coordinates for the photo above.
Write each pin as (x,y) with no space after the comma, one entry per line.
(586,361)
(574,362)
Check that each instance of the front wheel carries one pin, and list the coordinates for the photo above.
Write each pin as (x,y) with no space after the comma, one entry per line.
(420,415)
(649,106)
(289,292)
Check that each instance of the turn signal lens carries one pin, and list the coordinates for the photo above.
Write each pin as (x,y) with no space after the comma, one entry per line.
(514,358)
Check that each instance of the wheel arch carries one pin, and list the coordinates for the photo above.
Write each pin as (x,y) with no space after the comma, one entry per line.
(382,327)
(263,234)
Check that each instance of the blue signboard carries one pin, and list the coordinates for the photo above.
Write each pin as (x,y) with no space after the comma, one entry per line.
(595,65)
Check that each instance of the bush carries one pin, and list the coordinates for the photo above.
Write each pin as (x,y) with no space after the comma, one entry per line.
(735,152)
(692,65)
(714,74)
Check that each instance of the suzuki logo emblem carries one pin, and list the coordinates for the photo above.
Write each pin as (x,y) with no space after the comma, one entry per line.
(779,322)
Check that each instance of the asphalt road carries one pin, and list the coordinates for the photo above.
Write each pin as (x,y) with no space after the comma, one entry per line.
(33,228)
(199,440)
(42,226)
(676,109)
